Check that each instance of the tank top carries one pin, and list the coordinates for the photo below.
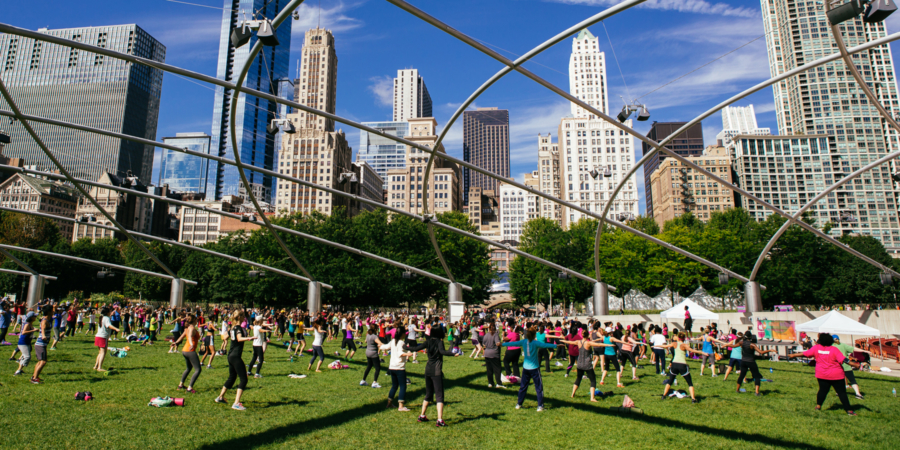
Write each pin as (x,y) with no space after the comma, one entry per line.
(195,336)
(627,346)
(349,333)
(584,358)
(608,351)
(748,355)
(319,337)
(25,338)
(412,334)
(707,346)
(679,355)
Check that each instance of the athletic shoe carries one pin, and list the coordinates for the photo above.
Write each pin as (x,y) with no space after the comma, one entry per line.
(12,359)
(191,391)
(238,406)
(375,385)
(440,423)
(758,394)
(694,400)
(518,406)
(422,419)
(179,388)
(257,376)
(851,413)
(500,386)
(540,408)
(36,381)
(663,397)
(620,385)
(219,400)
(415,362)
(567,375)
(860,396)
(634,378)
(584,377)
(209,367)
(362,382)
(490,385)
(18,372)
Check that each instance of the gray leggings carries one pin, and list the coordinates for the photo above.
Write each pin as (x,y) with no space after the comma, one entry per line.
(193,362)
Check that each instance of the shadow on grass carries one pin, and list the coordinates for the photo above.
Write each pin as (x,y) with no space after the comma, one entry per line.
(286,403)
(467,418)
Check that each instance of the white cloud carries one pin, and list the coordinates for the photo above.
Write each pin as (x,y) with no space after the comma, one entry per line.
(764,108)
(688,6)
(334,19)
(383,88)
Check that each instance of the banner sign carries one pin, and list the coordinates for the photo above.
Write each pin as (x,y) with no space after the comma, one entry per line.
(776,330)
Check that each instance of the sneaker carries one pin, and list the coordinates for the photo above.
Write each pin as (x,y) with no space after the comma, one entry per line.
(440,423)
(851,413)
(191,391)
(663,397)
(209,367)
(238,406)
(694,400)
(257,376)
(490,385)
(12,359)
(620,385)
(36,381)
(179,388)
(18,372)
(860,396)
(219,400)
(500,386)
(540,408)
(567,375)
(758,394)
(375,385)
(422,419)
(518,406)
(362,382)
(415,362)
(634,378)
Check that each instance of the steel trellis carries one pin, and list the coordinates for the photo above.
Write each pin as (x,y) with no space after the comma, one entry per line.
(225,84)
(238,216)
(166,241)
(656,146)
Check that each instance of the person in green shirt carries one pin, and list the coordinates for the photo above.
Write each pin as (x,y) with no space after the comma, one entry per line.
(848,350)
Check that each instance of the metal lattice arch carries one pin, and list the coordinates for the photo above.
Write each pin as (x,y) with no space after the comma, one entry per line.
(600,288)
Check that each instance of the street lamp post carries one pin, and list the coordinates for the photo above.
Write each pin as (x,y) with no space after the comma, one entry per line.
(550,280)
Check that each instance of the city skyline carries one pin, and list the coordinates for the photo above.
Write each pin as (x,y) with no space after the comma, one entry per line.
(354,25)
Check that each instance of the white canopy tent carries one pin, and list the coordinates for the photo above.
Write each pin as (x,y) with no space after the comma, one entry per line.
(837,323)
(697,312)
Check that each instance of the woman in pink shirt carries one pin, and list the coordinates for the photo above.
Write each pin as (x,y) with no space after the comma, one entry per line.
(829,372)
(511,358)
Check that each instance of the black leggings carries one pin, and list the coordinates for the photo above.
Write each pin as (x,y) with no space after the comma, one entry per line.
(192,362)
(627,356)
(660,362)
(572,360)
(3,334)
(611,359)
(757,378)
(560,351)
(680,369)
(839,387)
(370,363)
(493,371)
(236,370)
(317,352)
(512,357)
(544,355)
(434,387)
(579,374)
(257,356)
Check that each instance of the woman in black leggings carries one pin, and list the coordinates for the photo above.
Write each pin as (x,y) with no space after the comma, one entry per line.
(511,358)
(491,343)
(434,372)
(584,364)
(372,359)
(748,360)
(236,367)
(829,370)
(191,338)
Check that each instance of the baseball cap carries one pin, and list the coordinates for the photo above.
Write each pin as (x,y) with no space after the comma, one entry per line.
(29,315)
(835,337)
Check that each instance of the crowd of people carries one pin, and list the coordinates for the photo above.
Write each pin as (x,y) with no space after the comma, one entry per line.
(513,346)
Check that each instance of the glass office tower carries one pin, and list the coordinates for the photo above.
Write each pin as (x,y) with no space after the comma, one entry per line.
(78,86)
(380,153)
(183,172)
(255,145)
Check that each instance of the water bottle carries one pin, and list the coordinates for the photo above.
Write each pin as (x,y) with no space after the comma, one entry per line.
(894,391)
(770,370)
(292,358)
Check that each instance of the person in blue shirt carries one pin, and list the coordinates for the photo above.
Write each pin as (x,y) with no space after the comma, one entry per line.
(531,367)
(59,320)
(5,318)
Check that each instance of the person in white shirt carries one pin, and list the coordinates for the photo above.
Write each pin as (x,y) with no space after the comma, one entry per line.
(658,342)
(101,339)
(397,368)
(259,338)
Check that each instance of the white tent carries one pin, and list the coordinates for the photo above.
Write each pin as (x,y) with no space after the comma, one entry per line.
(835,322)
(697,312)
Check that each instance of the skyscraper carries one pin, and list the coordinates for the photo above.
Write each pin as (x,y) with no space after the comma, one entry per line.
(549,173)
(486,145)
(380,153)
(411,98)
(78,86)
(690,143)
(587,75)
(255,145)
(739,120)
(316,152)
(827,101)
(183,172)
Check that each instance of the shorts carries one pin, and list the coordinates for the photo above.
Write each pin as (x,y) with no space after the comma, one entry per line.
(40,352)
(55,333)
(734,363)
(688,324)
(100,342)
(20,319)
(848,374)
(475,342)
(349,344)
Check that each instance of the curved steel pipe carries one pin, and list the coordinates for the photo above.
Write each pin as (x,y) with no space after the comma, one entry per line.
(282,15)
(27,274)
(46,150)
(291,179)
(238,216)
(18,262)
(166,241)
(97,263)
(814,200)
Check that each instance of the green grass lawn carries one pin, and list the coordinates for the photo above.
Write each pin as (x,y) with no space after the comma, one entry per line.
(330,410)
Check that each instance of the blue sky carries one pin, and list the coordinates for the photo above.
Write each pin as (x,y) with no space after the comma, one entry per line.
(655,44)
